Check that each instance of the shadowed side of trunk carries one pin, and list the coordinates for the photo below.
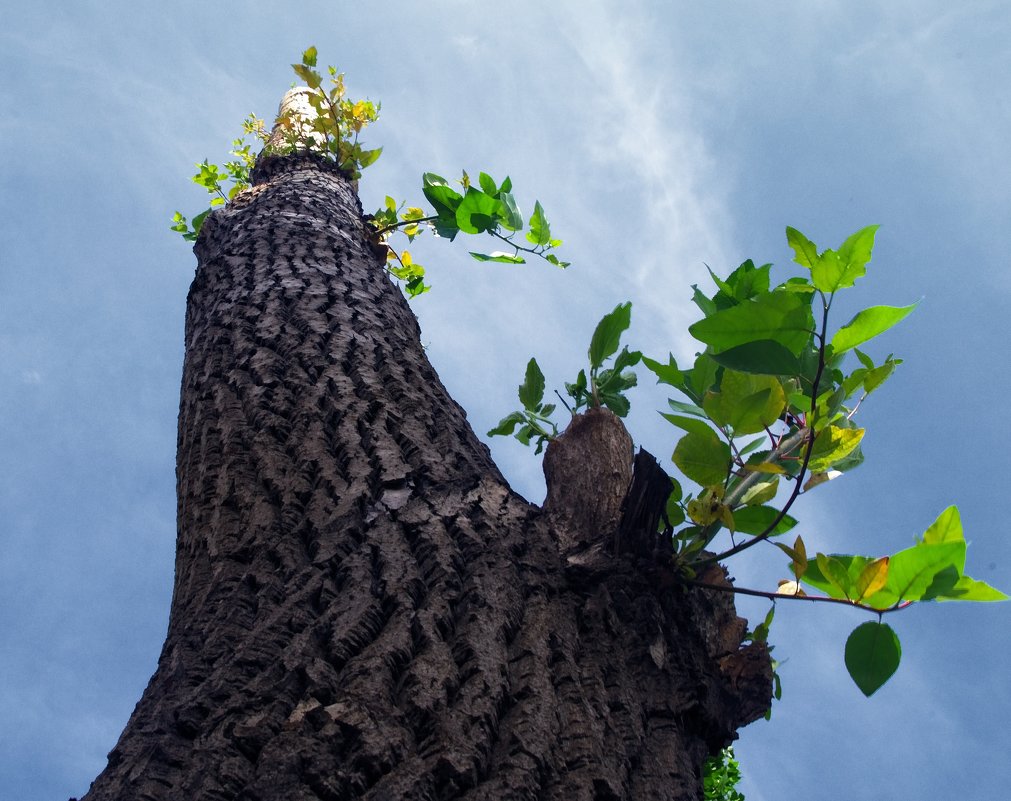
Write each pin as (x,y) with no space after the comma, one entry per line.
(362,607)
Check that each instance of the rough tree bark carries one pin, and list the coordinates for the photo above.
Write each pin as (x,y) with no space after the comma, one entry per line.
(362,607)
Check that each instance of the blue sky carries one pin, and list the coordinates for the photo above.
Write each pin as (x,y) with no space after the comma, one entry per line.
(659,137)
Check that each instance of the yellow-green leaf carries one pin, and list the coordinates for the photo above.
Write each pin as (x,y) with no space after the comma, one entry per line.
(705,459)
(947,528)
(761,492)
(747,402)
(872,578)
(766,467)
(832,445)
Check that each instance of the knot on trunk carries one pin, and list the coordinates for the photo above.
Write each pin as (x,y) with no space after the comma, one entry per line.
(588,469)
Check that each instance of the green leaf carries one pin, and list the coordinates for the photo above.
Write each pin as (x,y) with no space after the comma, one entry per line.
(607,335)
(761,492)
(478,212)
(487,183)
(854,254)
(912,572)
(832,445)
(540,231)
(665,373)
(746,402)
(687,408)
(947,587)
(783,317)
(704,459)
(947,528)
(702,377)
(198,221)
(708,307)
(531,391)
(876,377)
(689,424)
(512,219)
(854,566)
(312,78)
(368,157)
(756,519)
(764,356)
(865,360)
(873,653)
(507,424)
(500,256)
(309,57)
(616,403)
(441,195)
(723,286)
(867,324)
(806,254)
(797,284)
(675,514)
(747,281)
(627,358)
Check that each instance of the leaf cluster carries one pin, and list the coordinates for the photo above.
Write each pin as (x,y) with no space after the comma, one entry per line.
(605,385)
(769,368)
(772,368)
(488,208)
(720,776)
(224,182)
(332,133)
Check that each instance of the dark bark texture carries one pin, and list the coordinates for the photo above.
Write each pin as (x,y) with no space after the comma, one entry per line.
(363,609)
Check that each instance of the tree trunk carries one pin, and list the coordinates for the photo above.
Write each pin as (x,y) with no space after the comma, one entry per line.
(362,607)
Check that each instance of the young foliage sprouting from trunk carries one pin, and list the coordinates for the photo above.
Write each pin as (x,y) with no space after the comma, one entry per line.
(772,398)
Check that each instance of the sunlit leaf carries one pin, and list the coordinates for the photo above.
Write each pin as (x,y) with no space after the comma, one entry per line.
(835,270)
(512,218)
(478,212)
(835,571)
(499,256)
(947,587)
(441,195)
(487,184)
(746,402)
(872,578)
(540,231)
(761,492)
(911,572)
(831,445)
(867,324)
(805,252)
(946,528)
(783,317)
